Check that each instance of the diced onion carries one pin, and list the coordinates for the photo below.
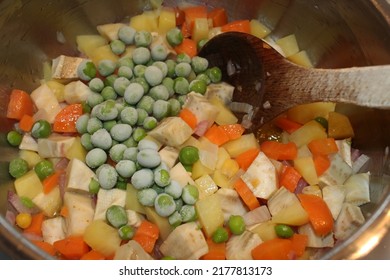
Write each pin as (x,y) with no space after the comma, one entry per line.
(241,107)
(259,215)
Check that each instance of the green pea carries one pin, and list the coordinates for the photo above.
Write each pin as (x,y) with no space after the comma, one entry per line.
(220,235)
(199,86)
(117,47)
(236,224)
(126,232)
(322,121)
(175,219)
(94,186)
(18,167)
(41,129)
(284,231)
(14,138)
(27,202)
(215,74)
(86,70)
(116,215)
(174,37)
(190,194)
(44,168)
(188,213)
(188,155)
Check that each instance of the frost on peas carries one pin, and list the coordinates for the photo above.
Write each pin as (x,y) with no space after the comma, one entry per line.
(142,179)
(129,115)
(107,110)
(109,80)
(95,158)
(183,57)
(147,196)
(106,67)
(116,152)
(101,139)
(126,61)
(134,93)
(86,141)
(94,99)
(179,204)
(139,134)
(175,106)
(107,125)
(82,123)
(198,86)
(174,189)
(159,52)
(143,83)
(141,55)
(125,71)
(188,213)
(107,176)
(164,205)
(96,84)
(143,38)
(159,92)
(121,131)
(181,85)
(130,153)
(171,64)
(93,125)
(190,194)
(147,144)
(146,103)
(126,34)
(203,77)
(153,75)
(86,70)
(215,74)
(161,109)
(108,93)
(139,70)
(168,83)
(175,219)
(120,85)
(117,47)
(150,123)
(183,69)
(199,64)
(149,158)
(162,66)
(174,37)
(126,168)
(142,115)
(162,177)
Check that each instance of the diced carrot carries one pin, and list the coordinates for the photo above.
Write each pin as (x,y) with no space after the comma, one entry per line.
(194,12)
(20,104)
(321,163)
(237,26)
(72,247)
(218,16)
(50,182)
(233,131)
(64,212)
(216,135)
(325,146)
(217,251)
(287,125)
(273,249)
(147,235)
(47,247)
(279,151)
(289,178)
(319,214)
(179,15)
(188,117)
(36,224)
(188,47)
(245,159)
(246,194)
(92,255)
(26,123)
(185,30)
(65,121)
(299,243)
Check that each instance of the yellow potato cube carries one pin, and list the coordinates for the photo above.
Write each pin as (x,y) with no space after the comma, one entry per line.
(147,21)
(101,53)
(200,30)
(288,44)
(301,58)
(258,29)
(166,21)
(225,115)
(210,213)
(29,185)
(308,132)
(240,145)
(88,43)
(305,166)
(293,215)
(76,150)
(307,112)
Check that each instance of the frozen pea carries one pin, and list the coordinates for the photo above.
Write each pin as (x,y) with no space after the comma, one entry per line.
(139,70)
(94,99)
(201,43)
(143,38)
(133,93)
(106,67)
(175,219)
(126,61)
(168,83)
(171,64)
(121,131)
(153,75)
(142,114)
(96,84)
(181,85)
(164,205)
(82,123)
(190,194)
(174,189)
(183,69)
(107,110)
(120,85)
(107,125)
(18,167)
(130,154)
(108,93)
(129,115)
(86,141)
(116,152)
(174,37)
(121,183)
(142,179)
(147,144)
(141,55)
(147,196)
(117,47)
(93,125)
(191,76)
(142,82)
(95,158)
(149,123)
(116,216)
(157,189)
(159,52)
(107,176)
(188,213)
(215,74)
(199,64)
(86,70)
(162,66)
(130,142)
(126,232)
(159,92)
(149,158)
(162,177)
(125,71)
(198,86)
(146,103)
(139,134)
(109,80)
(183,57)
(125,168)
(182,99)
(101,139)
(204,77)
(161,109)
(179,204)
(126,34)
(174,106)
(93,186)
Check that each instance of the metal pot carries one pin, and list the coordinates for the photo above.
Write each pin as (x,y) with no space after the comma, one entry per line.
(334,33)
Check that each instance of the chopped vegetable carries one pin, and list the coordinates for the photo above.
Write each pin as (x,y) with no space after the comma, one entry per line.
(20,104)
(279,151)
(246,194)
(72,247)
(147,235)
(237,26)
(274,249)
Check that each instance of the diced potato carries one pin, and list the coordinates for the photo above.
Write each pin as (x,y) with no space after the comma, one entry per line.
(53,229)
(200,30)
(281,199)
(304,151)
(31,157)
(102,53)
(88,43)
(225,115)
(208,153)
(202,108)
(222,180)
(210,213)
(191,141)
(58,89)
(307,112)
(55,146)
(180,174)
(164,226)
(147,21)
(339,126)
(223,155)
(106,198)
(78,176)
(76,92)
(172,131)
(167,20)
(131,251)
(229,168)
(293,215)
(169,155)
(29,185)
(305,166)
(288,44)
(49,203)
(314,190)
(265,230)
(46,103)
(222,91)
(80,212)
(199,170)
(102,238)
(28,143)
(206,186)
(110,30)
(310,131)
(337,173)
(132,202)
(76,151)
(258,29)
(301,58)
(231,203)
(240,145)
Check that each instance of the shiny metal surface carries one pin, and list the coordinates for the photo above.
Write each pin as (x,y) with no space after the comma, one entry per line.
(335,33)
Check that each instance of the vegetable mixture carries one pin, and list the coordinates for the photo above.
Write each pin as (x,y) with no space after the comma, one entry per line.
(132,150)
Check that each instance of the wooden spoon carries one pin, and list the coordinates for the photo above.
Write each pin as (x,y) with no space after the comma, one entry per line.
(264,78)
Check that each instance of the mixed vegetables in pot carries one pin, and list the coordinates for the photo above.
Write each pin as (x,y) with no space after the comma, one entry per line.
(133,150)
